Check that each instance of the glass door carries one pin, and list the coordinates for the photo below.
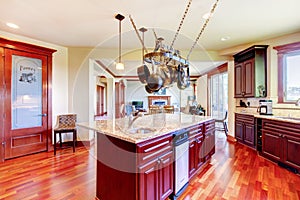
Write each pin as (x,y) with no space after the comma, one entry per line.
(25,103)
(219,95)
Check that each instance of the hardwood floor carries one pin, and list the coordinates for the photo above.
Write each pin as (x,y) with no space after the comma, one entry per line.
(235,172)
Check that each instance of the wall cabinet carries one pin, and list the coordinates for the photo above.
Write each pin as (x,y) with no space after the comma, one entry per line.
(281,142)
(245,129)
(250,72)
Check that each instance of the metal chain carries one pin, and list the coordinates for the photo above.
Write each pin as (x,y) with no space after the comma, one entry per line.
(154,34)
(181,22)
(202,29)
(136,31)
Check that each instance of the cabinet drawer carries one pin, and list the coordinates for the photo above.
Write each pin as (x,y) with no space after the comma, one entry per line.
(244,118)
(154,148)
(209,126)
(292,129)
(196,129)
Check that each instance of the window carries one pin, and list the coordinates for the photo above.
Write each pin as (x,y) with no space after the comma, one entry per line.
(218,91)
(219,95)
(288,72)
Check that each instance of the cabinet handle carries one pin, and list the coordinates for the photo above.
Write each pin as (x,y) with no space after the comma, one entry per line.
(158,161)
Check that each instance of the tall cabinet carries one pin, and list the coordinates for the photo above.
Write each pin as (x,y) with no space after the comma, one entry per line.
(250,72)
(26,99)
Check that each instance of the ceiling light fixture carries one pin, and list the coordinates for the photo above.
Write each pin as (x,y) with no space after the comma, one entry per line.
(12,25)
(119,65)
(167,65)
(225,38)
(207,15)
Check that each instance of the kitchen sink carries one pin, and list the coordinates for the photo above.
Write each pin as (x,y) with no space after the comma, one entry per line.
(141,130)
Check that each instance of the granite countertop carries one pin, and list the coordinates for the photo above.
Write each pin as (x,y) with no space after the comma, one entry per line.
(158,124)
(274,117)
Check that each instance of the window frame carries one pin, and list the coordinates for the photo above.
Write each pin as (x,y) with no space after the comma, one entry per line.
(282,51)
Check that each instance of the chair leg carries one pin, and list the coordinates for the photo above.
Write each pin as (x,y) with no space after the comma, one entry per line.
(60,141)
(74,140)
(225,128)
(54,143)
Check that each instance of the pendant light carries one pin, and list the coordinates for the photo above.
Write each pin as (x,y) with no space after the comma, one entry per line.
(119,65)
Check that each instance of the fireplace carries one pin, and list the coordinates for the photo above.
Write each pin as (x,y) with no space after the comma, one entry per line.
(159,100)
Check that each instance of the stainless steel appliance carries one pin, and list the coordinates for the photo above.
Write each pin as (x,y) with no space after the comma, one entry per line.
(265,107)
(181,163)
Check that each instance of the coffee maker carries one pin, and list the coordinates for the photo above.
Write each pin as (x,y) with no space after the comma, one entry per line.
(265,107)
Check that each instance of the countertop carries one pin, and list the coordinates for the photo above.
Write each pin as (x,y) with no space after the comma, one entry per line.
(291,119)
(160,124)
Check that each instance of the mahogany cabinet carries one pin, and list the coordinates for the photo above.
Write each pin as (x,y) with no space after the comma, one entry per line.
(281,142)
(155,170)
(201,145)
(196,139)
(245,129)
(209,139)
(250,76)
(142,171)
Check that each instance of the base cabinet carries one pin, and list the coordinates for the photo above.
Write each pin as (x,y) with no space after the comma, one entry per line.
(201,145)
(145,171)
(245,129)
(281,142)
(156,178)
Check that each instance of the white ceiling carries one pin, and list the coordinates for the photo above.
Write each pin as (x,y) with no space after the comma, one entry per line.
(91,23)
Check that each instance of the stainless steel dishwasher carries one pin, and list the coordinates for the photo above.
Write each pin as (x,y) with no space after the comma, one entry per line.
(181,163)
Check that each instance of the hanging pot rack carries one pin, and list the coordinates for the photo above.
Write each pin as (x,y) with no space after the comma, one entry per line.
(170,66)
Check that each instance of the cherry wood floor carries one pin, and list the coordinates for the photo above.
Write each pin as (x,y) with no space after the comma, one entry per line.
(235,172)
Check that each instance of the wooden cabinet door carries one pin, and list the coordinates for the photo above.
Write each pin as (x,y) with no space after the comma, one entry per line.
(249,134)
(192,158)
(148,180)
(291,151)
(238,80)
(209,144)
(249,78)
(272,145)
(199,152)
(239,131)
(165,175)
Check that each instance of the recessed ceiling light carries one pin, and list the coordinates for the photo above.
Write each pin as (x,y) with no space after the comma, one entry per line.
(225,38)
(11,25)
(207,15)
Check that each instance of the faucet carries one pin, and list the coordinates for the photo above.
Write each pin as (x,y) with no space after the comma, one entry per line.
(297,102)
(133,118)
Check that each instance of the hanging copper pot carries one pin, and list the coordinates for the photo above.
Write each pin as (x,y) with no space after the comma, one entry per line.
(183,80)
(154,82)
(143,73)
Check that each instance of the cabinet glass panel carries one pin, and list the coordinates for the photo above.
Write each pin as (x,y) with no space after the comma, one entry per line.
(26,92)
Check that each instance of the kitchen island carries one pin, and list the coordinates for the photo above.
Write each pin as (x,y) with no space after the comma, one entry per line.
(135,160)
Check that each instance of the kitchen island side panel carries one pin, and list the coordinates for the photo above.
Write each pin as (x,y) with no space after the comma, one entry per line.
(116,169)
